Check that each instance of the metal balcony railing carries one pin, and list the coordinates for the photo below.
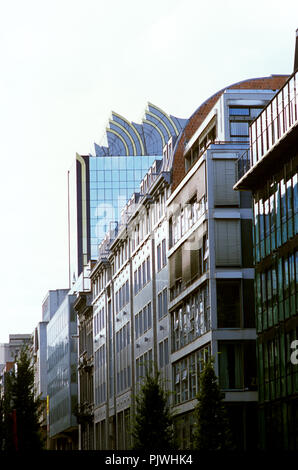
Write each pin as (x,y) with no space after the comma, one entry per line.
(276,120)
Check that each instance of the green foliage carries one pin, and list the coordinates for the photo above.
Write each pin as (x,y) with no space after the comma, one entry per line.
(21,407)
(211,431)
(153,423)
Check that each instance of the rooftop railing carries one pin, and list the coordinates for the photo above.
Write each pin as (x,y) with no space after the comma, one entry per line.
(276,120)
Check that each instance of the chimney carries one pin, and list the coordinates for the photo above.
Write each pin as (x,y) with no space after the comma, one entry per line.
(296,53)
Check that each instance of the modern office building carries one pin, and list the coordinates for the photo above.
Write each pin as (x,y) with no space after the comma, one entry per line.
(131,329)
(269,170)
(172,279)
(62,382)
(99,185)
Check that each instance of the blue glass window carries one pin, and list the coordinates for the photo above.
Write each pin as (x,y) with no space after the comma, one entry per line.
(239,111)
(122,175)
(92,175)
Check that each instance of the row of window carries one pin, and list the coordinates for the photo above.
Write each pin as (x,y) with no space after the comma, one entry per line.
(161,255)
(59,410)
(144,363)
(186,374)
(148,219)
(276,217)
(240,118)
(143,321)
(100,375)
(122,297)
(99,321)
(123,337)
(142,275)
(123,379)
(57,353)
(60,381)
(278,377)
(276,291)
(163,352)
(162,302)
(121,255)
(185,218)
(191,319)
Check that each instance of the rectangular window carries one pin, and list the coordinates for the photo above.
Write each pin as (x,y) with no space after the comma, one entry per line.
(239,129)
(144,273)
(164,253)
(149,316)
(166,351)
(224,179)
(127,291)
(158,257)
(227,242)
(160,310)
(135,275)
(140,278)
(148,269)
(239,111)
(137,325)
(128,334)
(141,324)
(161,358)
(165,301)
(228,304)
(145,318)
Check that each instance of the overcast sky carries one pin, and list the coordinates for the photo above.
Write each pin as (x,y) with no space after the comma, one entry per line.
(65,65)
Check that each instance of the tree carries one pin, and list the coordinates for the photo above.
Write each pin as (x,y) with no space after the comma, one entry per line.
(22,409)
(153,422)
(211,430)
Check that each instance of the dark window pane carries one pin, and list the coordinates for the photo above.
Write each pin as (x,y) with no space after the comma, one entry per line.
(228,304)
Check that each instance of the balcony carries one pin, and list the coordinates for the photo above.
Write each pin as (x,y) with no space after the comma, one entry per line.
(271,134)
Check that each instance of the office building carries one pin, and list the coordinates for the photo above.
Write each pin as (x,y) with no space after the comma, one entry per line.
(129,286)
(172,279)
(85,408)
(99,185)
(269,170)
(62,382)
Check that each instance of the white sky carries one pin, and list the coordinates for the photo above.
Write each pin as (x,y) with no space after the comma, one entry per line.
(65,65)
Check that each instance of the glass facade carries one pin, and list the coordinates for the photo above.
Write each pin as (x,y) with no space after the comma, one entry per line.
(186,374)
(62,367)
(112,182)
(273,178)
(99,188)
(192,319)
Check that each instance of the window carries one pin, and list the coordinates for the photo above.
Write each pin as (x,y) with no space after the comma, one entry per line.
(237,365)
(163,349)
(239,129)
(162,301)
(144,276)
(158,257)
(228,304)
(239,111)
(148,269)
(135,275)
(164,253)
(227,242)
(159,302)
(149,316)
